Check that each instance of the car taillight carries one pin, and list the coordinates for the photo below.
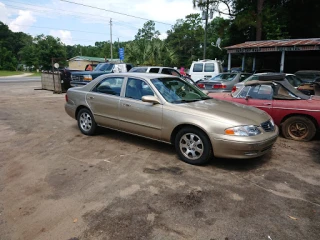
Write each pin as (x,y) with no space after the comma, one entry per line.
(66,97)
(201,85)
(219,86)
(234,88)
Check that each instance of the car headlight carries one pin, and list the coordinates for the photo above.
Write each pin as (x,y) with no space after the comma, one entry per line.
(246,131)
(87,77)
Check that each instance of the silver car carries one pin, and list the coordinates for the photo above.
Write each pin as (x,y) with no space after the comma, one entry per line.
(222,82)
(171,110)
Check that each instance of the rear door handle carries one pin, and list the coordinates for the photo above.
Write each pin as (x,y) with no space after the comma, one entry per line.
(267,104)
(126,105)
(90,97)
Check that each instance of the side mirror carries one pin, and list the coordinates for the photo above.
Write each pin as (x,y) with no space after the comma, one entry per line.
(247,97)
(150,99)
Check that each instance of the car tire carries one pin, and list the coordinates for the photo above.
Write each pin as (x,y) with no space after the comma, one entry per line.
(86,122)
(187,151)
(298,128)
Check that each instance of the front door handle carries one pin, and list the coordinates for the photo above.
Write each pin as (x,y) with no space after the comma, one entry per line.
(267,104)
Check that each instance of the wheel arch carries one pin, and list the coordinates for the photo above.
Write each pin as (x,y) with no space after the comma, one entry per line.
(180,126)
(78,110)
(300,115)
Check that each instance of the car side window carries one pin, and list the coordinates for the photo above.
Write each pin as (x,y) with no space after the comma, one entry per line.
(110,86)
(154,70)
(243,92)
(137,88)
(198,67)
(263,92)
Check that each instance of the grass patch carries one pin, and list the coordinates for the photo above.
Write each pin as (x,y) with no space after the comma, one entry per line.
(9,73)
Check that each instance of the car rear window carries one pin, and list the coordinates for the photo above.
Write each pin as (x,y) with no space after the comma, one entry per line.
(209,67)
(198,67)
(140,69)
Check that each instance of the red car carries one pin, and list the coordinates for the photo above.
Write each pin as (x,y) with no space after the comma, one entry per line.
(297,114)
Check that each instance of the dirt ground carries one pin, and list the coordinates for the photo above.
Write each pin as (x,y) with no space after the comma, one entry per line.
(56,183)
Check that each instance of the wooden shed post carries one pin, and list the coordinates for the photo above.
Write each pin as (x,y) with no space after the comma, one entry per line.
(243,61)
(282,61)
(254,64)
(229,62)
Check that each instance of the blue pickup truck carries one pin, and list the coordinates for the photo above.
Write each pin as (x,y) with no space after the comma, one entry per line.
(82,78)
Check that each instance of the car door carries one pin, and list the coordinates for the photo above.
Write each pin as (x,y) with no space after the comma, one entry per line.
(259,96)
(140,117)
(104,100)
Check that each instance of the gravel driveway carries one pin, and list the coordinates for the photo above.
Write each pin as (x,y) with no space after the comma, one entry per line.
(56,183)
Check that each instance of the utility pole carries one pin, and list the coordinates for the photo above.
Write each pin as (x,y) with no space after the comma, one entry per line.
(205,30)
(111,38)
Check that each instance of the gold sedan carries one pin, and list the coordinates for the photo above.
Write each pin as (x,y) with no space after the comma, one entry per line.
(169,109)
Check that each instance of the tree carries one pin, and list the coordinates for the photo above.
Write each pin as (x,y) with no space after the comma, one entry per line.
(49,47)
(186,38)
(148,31)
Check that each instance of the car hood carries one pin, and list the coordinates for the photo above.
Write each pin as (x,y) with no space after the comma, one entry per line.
(90,73)
(231,113)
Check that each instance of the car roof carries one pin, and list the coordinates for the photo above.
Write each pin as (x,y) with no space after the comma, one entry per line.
(143,75)
(270,76)
(308,71)
(152,67)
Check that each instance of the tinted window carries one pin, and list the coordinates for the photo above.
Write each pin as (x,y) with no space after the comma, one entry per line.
(198,67)
(261,92)
(110,86)
(224,77)
(137,88)
(141,69)
(154,70)
(106,67)
(209,67)
(243,77)
(293,80)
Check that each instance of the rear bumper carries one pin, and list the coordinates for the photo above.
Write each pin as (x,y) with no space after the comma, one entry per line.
(243,150)
(70,110)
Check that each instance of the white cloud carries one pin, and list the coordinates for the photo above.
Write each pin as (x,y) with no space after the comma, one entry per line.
(3,13)
(163,36)
(22,22)
(65,36)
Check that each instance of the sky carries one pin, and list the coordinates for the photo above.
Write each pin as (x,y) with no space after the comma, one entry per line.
(76,24)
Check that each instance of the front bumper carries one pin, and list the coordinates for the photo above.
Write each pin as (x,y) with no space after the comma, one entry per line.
(247,149)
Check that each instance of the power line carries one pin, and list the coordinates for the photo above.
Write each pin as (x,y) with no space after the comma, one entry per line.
(67,11)
(71,30)
(128,15)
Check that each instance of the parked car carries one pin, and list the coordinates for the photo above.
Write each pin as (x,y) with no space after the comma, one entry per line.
(169,109)
(297,114)
(205,69)
(292,79)
(162,70)
(308,75)
(222,82)
(82,78)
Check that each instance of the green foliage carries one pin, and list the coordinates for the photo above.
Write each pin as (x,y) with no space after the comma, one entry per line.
(148,32)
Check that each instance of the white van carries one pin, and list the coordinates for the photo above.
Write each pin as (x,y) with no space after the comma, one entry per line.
(205,69)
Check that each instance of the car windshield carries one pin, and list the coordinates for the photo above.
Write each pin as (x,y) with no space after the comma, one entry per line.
(223,77)
(175,90)
(104,67)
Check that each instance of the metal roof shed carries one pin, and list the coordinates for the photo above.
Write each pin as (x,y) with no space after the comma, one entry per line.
(283,46)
